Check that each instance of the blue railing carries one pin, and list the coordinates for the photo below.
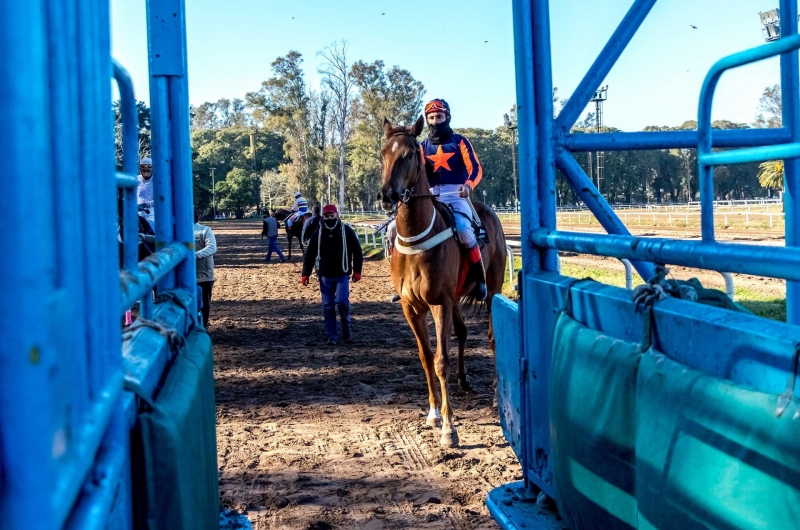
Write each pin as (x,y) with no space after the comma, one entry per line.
(547,143)
(64,418)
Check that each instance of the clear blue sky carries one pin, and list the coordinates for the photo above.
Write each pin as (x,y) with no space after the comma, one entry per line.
(655,82)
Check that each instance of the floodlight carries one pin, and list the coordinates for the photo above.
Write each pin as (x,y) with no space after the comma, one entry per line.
(771,20)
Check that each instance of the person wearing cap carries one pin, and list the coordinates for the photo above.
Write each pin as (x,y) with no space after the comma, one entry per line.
(335,251)
(454,172)
(145,190)
(299,208)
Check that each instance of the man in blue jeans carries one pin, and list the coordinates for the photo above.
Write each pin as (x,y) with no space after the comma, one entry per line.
(336,253)
(271,231)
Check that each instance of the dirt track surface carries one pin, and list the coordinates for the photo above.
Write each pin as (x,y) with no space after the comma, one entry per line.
(311,436)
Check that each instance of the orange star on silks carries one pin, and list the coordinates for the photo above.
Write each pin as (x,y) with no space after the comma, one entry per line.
(440,159)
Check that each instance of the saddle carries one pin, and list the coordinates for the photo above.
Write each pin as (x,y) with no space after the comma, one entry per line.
(449,215)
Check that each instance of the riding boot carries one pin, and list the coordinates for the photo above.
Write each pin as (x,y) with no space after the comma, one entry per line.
(477,273)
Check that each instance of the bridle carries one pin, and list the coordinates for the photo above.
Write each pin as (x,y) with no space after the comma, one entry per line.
(408,193)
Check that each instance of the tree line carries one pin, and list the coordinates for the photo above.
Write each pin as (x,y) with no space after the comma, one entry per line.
(325,141)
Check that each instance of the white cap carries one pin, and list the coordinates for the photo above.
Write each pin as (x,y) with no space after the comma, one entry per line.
(145,161)
(297,194)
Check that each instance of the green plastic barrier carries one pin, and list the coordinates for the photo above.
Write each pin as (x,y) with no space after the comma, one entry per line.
(712,454)
(592,421)
(178,437)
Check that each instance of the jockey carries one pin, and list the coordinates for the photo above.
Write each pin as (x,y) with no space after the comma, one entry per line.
(299,208)
(453,172)
(145,191)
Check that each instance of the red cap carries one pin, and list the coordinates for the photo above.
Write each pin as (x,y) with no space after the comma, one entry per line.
(329,208)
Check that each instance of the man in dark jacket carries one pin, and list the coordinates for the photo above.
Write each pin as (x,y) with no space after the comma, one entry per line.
(335,251)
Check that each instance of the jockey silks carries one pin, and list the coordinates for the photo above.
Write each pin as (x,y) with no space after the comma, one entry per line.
(452,162)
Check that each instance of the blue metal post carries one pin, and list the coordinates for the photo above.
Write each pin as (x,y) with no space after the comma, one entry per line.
(790,93)
(161,148)
(543,92)
(25,349)
(130,159)
(182,182)
(527,155)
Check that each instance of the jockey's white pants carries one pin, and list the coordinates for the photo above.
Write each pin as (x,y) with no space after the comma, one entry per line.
(448,194)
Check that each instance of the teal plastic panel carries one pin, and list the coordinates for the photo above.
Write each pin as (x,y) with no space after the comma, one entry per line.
(508,362)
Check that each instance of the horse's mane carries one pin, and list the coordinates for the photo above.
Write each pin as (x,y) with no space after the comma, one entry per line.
(398,130)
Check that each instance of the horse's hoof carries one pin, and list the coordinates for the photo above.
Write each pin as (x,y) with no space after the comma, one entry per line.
(434,423)
(545,502)
(449,439)
(464,385)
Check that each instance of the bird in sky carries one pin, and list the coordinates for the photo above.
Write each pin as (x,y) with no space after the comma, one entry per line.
(693,26)
(485,41)
(383,13)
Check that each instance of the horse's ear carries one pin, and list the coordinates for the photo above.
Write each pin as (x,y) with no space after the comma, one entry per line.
(387,127)
(416,129)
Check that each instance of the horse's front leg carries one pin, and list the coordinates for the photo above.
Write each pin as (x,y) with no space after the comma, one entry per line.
(289,240)
(443,316)
(419,326)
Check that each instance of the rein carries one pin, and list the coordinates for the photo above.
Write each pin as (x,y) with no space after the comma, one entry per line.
(405,198)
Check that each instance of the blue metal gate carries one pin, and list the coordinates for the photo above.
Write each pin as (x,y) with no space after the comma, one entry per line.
(742,349)
(64,417)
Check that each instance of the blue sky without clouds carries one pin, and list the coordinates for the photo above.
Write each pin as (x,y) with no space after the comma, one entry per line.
(656,81)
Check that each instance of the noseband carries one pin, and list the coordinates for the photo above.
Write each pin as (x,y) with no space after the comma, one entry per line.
(408,193)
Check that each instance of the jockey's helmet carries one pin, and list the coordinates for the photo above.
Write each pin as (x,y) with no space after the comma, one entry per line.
(297,194)
(146,161)
(437,105)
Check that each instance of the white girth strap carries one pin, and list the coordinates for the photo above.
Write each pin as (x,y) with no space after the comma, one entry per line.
(425,245)
(421,235)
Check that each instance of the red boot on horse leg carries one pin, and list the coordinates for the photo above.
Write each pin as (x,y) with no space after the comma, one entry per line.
(428,261)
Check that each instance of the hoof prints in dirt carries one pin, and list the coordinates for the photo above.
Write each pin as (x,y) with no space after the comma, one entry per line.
(313,436)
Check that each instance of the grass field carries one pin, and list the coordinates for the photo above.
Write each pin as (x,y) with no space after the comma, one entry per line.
(761,303)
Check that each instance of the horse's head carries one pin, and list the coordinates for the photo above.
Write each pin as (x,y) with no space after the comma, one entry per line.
(402,162)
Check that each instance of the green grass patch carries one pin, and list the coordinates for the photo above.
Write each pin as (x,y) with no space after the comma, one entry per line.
(762,304)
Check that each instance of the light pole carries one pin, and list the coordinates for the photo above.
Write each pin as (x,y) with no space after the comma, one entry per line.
(511,125)
(600,95)
(213,194)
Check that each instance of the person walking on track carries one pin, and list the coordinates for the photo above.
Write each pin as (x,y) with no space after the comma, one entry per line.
(205,245)
(271,228)
(335,252)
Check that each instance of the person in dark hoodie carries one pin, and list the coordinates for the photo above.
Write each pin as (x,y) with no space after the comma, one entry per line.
(335,251)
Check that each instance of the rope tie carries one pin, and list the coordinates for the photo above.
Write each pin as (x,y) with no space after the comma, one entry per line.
(657,288)
(176,341)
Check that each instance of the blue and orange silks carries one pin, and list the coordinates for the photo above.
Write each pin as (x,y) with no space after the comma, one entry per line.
(452,162)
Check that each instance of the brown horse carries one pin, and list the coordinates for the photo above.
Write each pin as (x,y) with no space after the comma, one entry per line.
(434,280)
(295,230)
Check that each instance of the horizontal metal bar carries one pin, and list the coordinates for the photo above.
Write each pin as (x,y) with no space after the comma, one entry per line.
(71,475)
(753,154)
(102,488)
(138,284)
(126,181)
(631,141)
(773,262)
